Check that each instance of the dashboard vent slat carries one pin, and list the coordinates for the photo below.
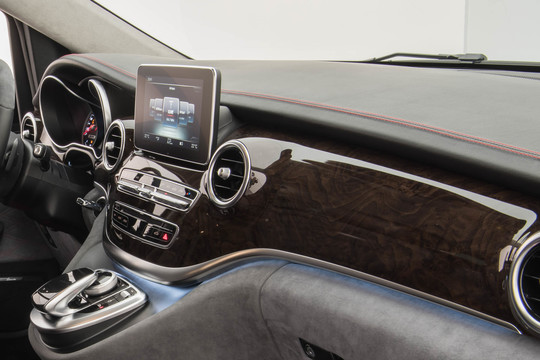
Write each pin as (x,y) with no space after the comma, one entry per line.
(113,147)
(228,174)
(29,127)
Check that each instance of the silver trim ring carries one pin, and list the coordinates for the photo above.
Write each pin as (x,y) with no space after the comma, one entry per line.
(245,182)
(120,125)
(32,118)
(81,149)
(516,297)
(63,148)
(103,100)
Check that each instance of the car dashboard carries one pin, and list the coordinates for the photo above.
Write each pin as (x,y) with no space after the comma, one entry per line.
(423,181)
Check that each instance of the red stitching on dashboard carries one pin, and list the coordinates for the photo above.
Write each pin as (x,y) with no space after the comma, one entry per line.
(409,123)
(413,124)
(106,64)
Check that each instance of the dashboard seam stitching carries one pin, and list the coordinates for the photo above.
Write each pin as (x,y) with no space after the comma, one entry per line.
(408,123)
(122,71)
(445,132)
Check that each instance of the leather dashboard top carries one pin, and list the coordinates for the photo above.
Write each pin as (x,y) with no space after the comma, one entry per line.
(476,122)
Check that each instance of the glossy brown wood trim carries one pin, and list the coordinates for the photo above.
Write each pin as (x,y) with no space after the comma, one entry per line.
(347,206)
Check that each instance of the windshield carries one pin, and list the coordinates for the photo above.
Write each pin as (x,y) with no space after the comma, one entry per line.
(336,30)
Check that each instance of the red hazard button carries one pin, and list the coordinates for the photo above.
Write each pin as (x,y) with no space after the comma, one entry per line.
(165,237)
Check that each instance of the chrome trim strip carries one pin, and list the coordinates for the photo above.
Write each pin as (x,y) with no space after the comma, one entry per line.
(245,182)
(120,125)
(64,148)
(32,118)
(203,271)
(515,293)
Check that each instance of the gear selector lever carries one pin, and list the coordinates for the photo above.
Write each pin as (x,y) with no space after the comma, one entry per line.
(105,282)
(53,297)
(82,303)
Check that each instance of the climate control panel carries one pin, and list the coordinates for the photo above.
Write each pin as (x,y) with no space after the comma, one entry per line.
(143,226)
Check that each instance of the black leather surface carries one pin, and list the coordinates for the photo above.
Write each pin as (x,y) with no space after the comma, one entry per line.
(471,121)
(7,87)
(7,104)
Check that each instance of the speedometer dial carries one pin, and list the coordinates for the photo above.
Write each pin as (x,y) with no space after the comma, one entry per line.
(90,130)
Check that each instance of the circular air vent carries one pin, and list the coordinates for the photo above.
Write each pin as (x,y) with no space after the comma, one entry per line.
(229,174)
(525,284)
(29,127)
(113,145)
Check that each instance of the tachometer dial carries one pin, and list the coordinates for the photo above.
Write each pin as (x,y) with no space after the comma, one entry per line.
(90,130)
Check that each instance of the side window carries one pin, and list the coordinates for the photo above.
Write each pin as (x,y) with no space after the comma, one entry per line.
(5,50)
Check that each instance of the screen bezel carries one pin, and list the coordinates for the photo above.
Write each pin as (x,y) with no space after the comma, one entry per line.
(209,111)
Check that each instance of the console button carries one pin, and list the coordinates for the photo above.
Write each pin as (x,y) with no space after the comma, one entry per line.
(190,194)
(152,232)
(120,219)
(144,192)
(178,202)
(166,236)
(128,186)
(109,301)
(122,295)
(90,309)
(170,200)
(131,291)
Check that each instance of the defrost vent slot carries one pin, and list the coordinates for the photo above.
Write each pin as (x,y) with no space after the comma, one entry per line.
(156,189)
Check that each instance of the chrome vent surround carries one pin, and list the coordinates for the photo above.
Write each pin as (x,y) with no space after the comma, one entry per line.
(524,289)
(229,174)
(113,145)
(29,127)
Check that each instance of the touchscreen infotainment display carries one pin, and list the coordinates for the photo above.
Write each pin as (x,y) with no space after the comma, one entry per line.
(176,111)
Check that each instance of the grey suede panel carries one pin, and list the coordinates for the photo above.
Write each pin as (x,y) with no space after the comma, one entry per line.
(91,254)
(359,320)
(259,311)
(220,319)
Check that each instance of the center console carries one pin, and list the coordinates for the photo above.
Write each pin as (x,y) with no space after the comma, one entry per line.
(175,121)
